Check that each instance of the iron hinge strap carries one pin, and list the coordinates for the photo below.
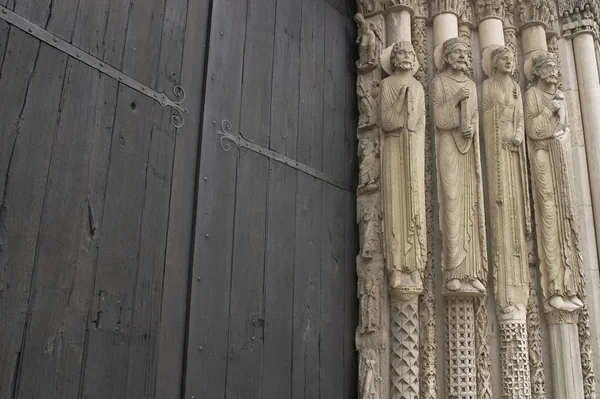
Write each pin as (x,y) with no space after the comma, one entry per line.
(30,28)
(240,141)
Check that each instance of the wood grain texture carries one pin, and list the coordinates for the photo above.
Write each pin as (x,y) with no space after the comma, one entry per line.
(208,334)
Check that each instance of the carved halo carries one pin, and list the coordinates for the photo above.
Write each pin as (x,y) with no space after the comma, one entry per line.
(528,64)
(386,64)
(486,59)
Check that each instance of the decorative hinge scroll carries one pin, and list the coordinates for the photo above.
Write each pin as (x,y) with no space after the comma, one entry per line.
(226,137)
(30,28)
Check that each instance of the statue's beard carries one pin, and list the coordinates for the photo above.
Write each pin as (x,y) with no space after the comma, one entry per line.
(403,65)
(460,66)
(550,78)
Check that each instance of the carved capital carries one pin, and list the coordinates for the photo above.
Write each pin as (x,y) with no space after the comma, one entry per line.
(562,317)
(370,7)
(445,6)
(489,9)
(578,18)
(534,12)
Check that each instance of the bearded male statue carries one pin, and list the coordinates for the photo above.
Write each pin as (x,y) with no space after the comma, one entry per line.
(403,152)
(546,125)
(460,192)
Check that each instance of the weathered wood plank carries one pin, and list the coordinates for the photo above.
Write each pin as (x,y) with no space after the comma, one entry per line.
(332,249)
(146,319)
(286,72)
(280,243)
(307,264)
(121,257)
(106,364)
(68,238)
(351,237)
(258,71)
(209,303)
(247,307)
(173,325)
(30,103)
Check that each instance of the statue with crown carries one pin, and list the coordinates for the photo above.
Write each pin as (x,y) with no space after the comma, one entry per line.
(548,134)
(460,191)
(402,119)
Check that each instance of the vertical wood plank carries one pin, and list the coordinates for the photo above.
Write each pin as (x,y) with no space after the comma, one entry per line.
(25,66)
(173,322)
(307,263)
(126,267)
(280,243)
(207,354)
(350,224)
(143,342)
(332,249)
(25,164)
(246,308)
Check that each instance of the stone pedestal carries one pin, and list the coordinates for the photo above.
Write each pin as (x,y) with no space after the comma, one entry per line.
(461,381)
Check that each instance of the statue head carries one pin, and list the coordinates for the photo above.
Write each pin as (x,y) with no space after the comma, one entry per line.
(403,56)
(359,18)
(545,67)
(503,60)
(456,54)
(587,7)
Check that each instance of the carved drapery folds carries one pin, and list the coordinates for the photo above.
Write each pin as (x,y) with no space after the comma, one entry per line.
(549,141)
(460,192)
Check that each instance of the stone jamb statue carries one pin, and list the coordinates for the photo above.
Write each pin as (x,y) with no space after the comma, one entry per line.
(503,130)
(548,134)
(460,192)
(403,123)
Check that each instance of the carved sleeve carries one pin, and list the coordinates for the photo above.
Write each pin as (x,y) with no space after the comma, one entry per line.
(390,109)
(446,115)
(419,105)
(538,123)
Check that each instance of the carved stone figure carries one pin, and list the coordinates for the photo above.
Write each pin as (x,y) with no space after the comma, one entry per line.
(460,193)
(403,123)
(369,165)
(367,90)
(587,11)
(369,217)
(370,379)
(368,294)
(548,135)
(503,129)
(369,39)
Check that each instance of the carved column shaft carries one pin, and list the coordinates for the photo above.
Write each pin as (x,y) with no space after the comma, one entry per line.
(461,379)
(405,347)
(398,25)
(566,365)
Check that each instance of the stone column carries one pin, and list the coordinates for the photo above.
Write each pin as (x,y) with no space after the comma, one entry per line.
(398,24)
(589,98)
(583,95)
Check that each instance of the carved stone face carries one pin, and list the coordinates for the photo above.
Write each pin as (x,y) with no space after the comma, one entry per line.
(548,72)
(359,19)
(403,56)
(505,62)
(458,58)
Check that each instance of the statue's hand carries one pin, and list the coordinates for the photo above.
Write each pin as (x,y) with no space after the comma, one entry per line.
(518,139)
(554,105)
(461,95)
(468,134)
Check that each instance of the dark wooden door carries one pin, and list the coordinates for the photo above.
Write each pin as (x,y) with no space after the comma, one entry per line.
(273,300)
(97,198)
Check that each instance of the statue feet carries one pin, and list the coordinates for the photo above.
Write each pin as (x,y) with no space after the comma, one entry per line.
(395,279)
(416,278)
(470,288)
(478,285)
(453,285)
(576,301)
(560,303)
